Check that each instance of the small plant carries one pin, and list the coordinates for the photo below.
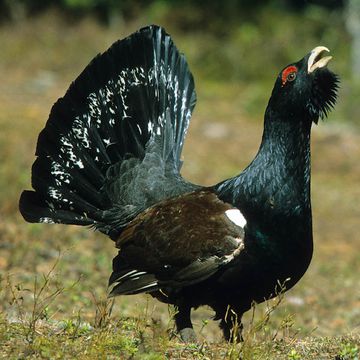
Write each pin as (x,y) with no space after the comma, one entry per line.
(172,311)
(42,294)
(103,311)
(204,323)
(261,327)
(46,288)
(294,355)
(348,352)
(75,328)
(286,328)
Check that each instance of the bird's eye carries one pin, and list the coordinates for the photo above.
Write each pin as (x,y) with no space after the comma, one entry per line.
(291,76)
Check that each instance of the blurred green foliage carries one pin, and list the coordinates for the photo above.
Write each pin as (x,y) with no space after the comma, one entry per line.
(228,41)
(105,9)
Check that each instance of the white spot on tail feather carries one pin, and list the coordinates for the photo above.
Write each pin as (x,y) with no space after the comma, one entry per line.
(59,174)
(111,103)
(236,217)
(79,164)
(46,220)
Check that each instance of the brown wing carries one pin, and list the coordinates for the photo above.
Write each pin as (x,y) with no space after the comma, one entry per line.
(178,242)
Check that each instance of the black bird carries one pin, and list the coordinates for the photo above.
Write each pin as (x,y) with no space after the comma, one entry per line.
(109,157)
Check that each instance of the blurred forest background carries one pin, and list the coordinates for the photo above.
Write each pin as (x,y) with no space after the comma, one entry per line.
(229,39)
(235,49)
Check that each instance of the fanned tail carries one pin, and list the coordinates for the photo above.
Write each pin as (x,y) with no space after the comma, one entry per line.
(115,138)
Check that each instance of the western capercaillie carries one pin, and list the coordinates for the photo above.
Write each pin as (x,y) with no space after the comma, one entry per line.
(109,158)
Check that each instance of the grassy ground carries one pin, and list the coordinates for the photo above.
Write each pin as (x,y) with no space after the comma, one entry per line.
(53,278)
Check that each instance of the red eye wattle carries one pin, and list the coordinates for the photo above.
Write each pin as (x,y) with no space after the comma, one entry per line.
(289,74)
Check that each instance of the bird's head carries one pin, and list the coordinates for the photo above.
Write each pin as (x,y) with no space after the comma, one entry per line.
(306,87)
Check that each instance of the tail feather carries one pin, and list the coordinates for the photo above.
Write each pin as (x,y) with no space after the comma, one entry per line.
(53,178)
(111,146)
(33,210)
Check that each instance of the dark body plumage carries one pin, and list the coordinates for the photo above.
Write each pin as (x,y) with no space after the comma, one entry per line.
(109,157)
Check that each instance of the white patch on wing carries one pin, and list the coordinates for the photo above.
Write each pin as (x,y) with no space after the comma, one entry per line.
(239,241)
(236,217)
(236,252)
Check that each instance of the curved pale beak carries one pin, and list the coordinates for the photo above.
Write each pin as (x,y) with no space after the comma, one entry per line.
(316,61)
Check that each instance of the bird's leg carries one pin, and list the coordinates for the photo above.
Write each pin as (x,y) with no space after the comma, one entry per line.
(231,325)
(183,324)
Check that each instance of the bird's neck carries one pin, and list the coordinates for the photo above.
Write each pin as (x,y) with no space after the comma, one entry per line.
(275,187)
(273,194)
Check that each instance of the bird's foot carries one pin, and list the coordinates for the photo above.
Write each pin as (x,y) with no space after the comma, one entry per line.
(188,335)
